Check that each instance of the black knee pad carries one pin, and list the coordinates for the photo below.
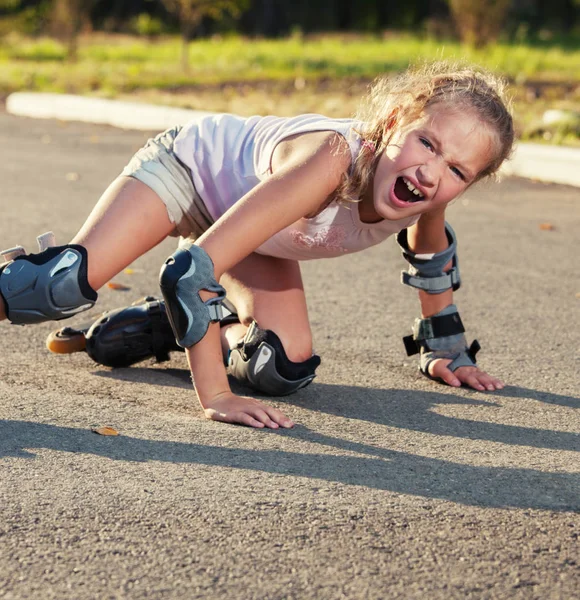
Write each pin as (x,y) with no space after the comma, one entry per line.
(260,361)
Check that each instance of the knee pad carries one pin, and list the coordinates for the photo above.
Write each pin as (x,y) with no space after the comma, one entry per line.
(426,271)
(125,336)
(183,275)
(47,286)
(260,361)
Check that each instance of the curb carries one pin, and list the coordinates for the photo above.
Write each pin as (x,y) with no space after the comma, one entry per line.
(125,115)
(551,164)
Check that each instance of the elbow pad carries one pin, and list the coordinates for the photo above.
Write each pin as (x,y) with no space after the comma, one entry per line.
(183,275)
(426,271)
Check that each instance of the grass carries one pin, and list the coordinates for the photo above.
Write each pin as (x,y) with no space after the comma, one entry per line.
(325,73)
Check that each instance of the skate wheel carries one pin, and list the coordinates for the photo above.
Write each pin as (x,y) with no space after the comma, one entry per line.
(66,341)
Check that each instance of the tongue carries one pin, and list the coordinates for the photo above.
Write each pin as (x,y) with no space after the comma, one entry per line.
(402,191)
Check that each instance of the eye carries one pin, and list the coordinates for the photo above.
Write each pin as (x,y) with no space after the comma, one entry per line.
(457,172)
(426,143)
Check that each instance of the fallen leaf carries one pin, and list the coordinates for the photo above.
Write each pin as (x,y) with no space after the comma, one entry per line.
(118,286)
(129,271)
(72,176)
(578,295)
(105,431)
(546,227)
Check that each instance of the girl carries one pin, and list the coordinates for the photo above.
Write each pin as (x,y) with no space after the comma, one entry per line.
(260,194)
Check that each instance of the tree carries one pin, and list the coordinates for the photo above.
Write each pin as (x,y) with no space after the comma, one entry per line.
(479,22)
(68,18)
(190,13)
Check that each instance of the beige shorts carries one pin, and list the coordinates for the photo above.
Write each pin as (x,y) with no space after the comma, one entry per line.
(157,167)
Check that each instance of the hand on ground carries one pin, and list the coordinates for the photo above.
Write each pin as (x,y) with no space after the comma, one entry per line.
(472,376)
(229,408)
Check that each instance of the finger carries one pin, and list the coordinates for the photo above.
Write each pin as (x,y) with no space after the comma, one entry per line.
(472,380)
(241,418)
(483,379)
(478,380)
(438,368)
(490,383)
(263,417)
(279,417)
(246,419)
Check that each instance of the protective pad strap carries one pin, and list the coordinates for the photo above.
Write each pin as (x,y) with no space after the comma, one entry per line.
(183,275)
(426,271)
(260,361)
(47,286)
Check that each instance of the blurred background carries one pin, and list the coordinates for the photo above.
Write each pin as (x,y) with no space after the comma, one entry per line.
(291,56)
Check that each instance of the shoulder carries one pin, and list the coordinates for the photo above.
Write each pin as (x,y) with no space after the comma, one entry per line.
(328,149)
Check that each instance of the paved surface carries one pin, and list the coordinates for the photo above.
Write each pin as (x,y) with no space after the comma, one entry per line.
(390,486)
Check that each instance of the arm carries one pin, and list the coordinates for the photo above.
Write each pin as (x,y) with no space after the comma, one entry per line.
(301,181)
(428,236)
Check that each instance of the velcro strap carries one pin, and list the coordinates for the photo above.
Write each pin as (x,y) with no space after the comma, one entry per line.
(473,350)
(438,326)
(426,272)
(433,285)
(467,358)
(411,346)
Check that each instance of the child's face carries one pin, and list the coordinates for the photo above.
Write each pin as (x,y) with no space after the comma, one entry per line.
(428,164)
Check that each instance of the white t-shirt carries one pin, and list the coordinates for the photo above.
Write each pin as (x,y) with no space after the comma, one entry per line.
(230,155)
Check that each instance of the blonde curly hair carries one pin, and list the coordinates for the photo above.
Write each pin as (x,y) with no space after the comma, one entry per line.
(395,102)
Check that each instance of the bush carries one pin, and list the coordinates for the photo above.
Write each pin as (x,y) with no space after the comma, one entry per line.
(479,23)
(145,24)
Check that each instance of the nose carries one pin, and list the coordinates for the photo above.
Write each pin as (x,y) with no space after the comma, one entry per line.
(428,172)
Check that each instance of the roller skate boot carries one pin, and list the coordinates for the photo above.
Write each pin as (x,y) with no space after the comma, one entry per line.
(121,337)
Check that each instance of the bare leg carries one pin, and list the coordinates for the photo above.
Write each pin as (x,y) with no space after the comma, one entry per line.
(127,221)
(270,291)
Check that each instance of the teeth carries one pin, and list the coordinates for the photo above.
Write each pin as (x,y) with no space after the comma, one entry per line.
(413,189)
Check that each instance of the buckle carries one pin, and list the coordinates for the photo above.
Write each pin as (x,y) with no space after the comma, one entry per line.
(216,310)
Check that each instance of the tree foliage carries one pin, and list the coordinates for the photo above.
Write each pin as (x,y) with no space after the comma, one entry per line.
(190,14)
(479,22)
(67,19)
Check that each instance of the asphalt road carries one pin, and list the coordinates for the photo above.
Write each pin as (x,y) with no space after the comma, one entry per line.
(389,486)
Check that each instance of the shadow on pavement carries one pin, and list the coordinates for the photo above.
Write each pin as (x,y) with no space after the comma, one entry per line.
(415,410)
(546,397)
(405,409)
(380,468)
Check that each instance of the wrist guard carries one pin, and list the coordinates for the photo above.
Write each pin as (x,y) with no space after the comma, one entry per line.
(426,270)
(441,336)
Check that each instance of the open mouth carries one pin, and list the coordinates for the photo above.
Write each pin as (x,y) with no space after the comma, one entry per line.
(405,191)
